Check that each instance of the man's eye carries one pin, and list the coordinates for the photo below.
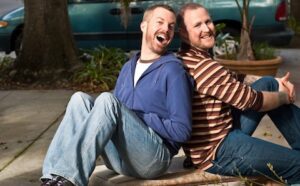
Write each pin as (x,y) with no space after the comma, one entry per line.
(198,25)
(171,27)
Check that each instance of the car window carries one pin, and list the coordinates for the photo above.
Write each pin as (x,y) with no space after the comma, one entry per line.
(97,22)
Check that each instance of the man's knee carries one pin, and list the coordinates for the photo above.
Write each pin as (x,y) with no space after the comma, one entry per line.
(106,99)
(266,83)
(80,98)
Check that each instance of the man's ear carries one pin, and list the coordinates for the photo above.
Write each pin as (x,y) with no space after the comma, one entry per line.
(143,26)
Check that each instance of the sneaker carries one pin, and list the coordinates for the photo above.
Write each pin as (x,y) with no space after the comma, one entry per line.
(57,181)
(188,163)
(48,182)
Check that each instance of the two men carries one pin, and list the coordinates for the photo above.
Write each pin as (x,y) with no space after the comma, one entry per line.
(139,128)
(226,111)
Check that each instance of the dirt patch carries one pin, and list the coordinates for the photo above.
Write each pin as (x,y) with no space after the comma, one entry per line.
(8,84)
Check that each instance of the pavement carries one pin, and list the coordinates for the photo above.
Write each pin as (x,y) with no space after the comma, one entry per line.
(29,119)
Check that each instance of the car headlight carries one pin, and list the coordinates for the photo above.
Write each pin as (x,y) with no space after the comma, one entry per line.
(3,24)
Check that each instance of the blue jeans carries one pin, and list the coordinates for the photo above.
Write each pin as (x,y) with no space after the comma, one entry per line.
(241,154)
(104,127)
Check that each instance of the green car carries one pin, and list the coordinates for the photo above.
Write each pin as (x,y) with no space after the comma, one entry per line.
(98,22)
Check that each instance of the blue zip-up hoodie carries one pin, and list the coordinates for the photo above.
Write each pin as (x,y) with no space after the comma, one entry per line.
(161,98)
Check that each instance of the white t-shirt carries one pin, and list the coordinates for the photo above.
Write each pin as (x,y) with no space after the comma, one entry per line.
(139,70)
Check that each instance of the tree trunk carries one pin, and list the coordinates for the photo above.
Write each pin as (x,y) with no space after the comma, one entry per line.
(295,5)
(48,45)
(245,50)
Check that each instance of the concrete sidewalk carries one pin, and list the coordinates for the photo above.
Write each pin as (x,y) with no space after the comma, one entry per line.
(29,118)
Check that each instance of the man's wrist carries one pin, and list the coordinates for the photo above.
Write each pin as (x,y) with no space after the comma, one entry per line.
(283,98)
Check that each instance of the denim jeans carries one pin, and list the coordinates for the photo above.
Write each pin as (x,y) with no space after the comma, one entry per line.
(104,127)
(241,154)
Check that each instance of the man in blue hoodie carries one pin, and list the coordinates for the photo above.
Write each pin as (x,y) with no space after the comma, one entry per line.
(138,129)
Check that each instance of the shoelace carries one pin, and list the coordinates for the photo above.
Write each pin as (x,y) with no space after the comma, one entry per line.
(49,182)
(62,181)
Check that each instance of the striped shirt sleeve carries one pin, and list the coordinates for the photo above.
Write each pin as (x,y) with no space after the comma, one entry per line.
(215,80)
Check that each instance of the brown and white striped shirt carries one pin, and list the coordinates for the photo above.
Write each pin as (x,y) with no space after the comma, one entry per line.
(216,90)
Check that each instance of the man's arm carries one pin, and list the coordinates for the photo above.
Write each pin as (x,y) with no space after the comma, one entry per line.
(272,100)
(285,95)
(284,84)
(177,125)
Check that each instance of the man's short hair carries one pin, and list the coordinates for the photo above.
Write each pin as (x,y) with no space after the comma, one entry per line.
(183,9)
(149,10)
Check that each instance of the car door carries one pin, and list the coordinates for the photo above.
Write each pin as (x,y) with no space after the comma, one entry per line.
(97,22)
(137,9)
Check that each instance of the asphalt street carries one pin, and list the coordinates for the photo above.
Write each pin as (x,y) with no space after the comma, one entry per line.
(6,5)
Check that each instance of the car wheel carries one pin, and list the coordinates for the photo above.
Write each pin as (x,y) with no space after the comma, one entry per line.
(233,31)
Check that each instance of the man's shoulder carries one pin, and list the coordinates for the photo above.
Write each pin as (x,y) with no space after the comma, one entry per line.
(193,58)
(170,57)
(172,62)
(126,66)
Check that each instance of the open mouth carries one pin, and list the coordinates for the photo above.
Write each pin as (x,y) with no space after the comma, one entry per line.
(161,38)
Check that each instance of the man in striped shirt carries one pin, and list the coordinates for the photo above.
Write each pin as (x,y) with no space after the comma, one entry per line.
(227,110)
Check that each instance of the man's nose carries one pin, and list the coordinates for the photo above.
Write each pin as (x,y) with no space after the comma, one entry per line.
(205,28)
(165,27)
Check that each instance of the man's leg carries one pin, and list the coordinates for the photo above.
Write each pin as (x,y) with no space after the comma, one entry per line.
(247,121)
(107,119)
(241,154)
(287,120)
(135,149)
(140,153)
(286,117)
(77,111)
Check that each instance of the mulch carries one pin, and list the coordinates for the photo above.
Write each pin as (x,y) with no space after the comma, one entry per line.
(39,85)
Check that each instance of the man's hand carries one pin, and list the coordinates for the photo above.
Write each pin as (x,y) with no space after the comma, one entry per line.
(286,86)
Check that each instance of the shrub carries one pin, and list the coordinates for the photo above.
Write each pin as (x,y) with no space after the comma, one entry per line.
(6,64)
(227,47)
(101,68)
(263,51)
(294,25)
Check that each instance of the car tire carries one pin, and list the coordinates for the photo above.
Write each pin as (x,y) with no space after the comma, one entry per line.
(233,31)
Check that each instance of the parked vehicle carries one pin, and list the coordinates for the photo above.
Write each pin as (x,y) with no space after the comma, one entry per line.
(98,22)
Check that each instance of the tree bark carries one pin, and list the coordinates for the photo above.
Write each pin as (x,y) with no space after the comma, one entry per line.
(48,45)
(295,5)
(245,49)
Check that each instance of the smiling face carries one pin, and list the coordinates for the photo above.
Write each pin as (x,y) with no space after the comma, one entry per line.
(198,29)
(158,31)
